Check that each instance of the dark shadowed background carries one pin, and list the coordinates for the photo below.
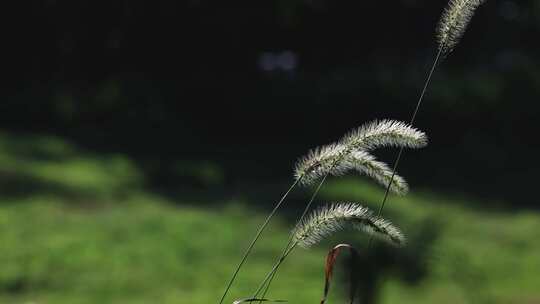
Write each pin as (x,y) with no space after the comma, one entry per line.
(212,102)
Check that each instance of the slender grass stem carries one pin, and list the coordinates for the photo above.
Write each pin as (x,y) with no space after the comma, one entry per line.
(286,250)
(256,238)
(413,118)
(271,274)
(268,284)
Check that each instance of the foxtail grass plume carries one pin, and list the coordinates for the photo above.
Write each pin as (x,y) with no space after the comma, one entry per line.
(366,164)
(351,153)
(454,22)
(331,218)
(318,162)
(384,133)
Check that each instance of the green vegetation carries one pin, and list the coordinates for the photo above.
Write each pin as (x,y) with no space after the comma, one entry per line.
(82,228)
(141,250)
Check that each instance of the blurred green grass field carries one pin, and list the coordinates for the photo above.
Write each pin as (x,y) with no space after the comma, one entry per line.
(76,227)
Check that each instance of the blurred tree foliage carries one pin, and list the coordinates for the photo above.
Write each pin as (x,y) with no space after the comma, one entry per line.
(249,84)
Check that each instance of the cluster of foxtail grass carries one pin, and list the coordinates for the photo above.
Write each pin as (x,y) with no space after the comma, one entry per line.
(353,153)
(349,153)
